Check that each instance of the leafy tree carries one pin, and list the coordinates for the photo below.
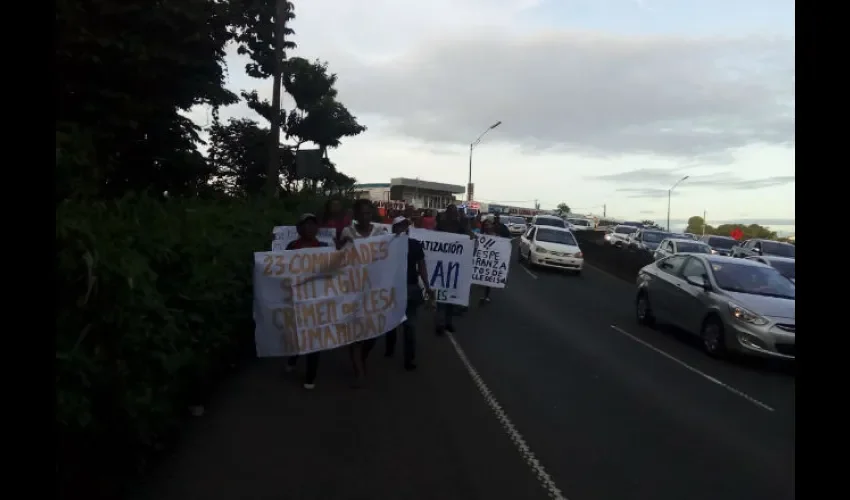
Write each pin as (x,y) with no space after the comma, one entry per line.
(562,209)
(127,69)
(695,225)
(318,117)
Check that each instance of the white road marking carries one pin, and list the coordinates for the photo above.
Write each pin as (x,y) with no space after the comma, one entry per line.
(536,467)
(694,370)
(529,272)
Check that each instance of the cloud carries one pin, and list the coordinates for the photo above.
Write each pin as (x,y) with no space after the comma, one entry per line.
(720,183)
(586,93)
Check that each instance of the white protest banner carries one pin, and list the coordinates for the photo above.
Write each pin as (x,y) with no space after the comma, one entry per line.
(284,235)
(388,227)
(321,298)
(449,262)
(492,261)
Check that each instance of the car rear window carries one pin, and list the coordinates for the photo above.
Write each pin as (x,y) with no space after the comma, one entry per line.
(780,249)
(625,230)
(551,221)
(724,243)
(688,247)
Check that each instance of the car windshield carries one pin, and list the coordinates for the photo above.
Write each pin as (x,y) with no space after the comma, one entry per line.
(784,267)
(653,237)
(688,247)
(625,229)
(724,243)
(551,221)
(552,236)
(579,222)
(752,279)
(513,220)
(779,249)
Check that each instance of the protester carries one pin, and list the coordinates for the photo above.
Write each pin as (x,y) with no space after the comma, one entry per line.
(429,220)
(416,271)
(308,229)
(335,217)
(488,227)
(449,222)
(362,227)
(500,228)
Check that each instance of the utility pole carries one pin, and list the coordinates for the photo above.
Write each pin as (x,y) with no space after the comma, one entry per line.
(274,141)
(703,223)
(471,147)
(604,211)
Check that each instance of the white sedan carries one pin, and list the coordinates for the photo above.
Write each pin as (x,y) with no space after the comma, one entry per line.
(550,246)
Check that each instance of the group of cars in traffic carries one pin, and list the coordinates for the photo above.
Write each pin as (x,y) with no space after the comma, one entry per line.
(548,241)
(735,296)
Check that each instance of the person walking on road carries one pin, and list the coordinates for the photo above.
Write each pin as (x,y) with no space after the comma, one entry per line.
(501,229)
(308,229)
(416,271)
(335,217)
(488,227)
(362,227)
(450,222)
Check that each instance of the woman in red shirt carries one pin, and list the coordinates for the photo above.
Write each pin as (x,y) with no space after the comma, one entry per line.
(335,216)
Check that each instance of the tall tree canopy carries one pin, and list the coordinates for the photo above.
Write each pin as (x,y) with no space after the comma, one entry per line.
(129,71)
(126,70)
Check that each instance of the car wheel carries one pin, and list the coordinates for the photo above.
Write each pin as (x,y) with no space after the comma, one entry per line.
(713,338)
(643,311)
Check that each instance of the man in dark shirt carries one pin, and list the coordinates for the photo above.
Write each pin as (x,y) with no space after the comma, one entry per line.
(450,222)
(308,229)
(416,271)
(501,229)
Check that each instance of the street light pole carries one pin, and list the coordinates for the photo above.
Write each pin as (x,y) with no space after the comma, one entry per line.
(471,147)
(670,195)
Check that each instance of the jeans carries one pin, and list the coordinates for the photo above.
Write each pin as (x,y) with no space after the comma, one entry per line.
(414,300)
(312,366)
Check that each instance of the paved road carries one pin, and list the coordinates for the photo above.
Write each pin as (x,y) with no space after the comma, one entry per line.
(559,403)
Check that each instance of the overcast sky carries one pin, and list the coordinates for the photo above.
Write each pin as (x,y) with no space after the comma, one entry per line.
(603,102)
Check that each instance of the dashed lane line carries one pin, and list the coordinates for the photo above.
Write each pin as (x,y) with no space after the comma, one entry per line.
(536,467)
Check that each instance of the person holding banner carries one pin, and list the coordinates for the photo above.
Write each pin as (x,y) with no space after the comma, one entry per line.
(362,227)
(450,222)
(416,270)
(335,217)
(488,227)
(308,229)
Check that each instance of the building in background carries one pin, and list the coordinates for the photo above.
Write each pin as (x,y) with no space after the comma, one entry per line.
(416,192)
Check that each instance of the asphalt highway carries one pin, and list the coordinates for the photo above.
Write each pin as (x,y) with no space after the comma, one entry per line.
(550,391)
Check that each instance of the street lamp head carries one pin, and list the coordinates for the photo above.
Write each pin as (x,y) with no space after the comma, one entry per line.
(495,125)
(685,177)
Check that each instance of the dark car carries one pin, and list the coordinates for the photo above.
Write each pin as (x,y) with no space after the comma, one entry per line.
(720,245)
(759,247)
(647,240)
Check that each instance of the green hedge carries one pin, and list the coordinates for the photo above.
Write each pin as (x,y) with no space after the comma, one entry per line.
(154,305)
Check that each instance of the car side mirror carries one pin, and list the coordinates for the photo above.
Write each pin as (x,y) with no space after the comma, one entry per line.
(699,281)
(757,250)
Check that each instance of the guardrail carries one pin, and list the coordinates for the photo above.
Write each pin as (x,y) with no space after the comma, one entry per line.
(621,263)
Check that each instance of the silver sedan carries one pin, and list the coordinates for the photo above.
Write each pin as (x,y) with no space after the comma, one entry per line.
(731,304)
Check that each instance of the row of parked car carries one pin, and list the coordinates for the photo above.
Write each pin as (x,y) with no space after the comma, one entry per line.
(735,296)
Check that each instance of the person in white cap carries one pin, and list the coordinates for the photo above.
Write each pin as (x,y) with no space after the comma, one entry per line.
(361,227)
(416,271)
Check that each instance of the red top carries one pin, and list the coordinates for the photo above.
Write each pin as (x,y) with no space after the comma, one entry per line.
(338,224)
(302,243)
(428,222)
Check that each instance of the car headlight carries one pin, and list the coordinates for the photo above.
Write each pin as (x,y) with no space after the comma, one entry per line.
(540,250)
(745,315)
(578,255)
(713,251)
(607,237)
